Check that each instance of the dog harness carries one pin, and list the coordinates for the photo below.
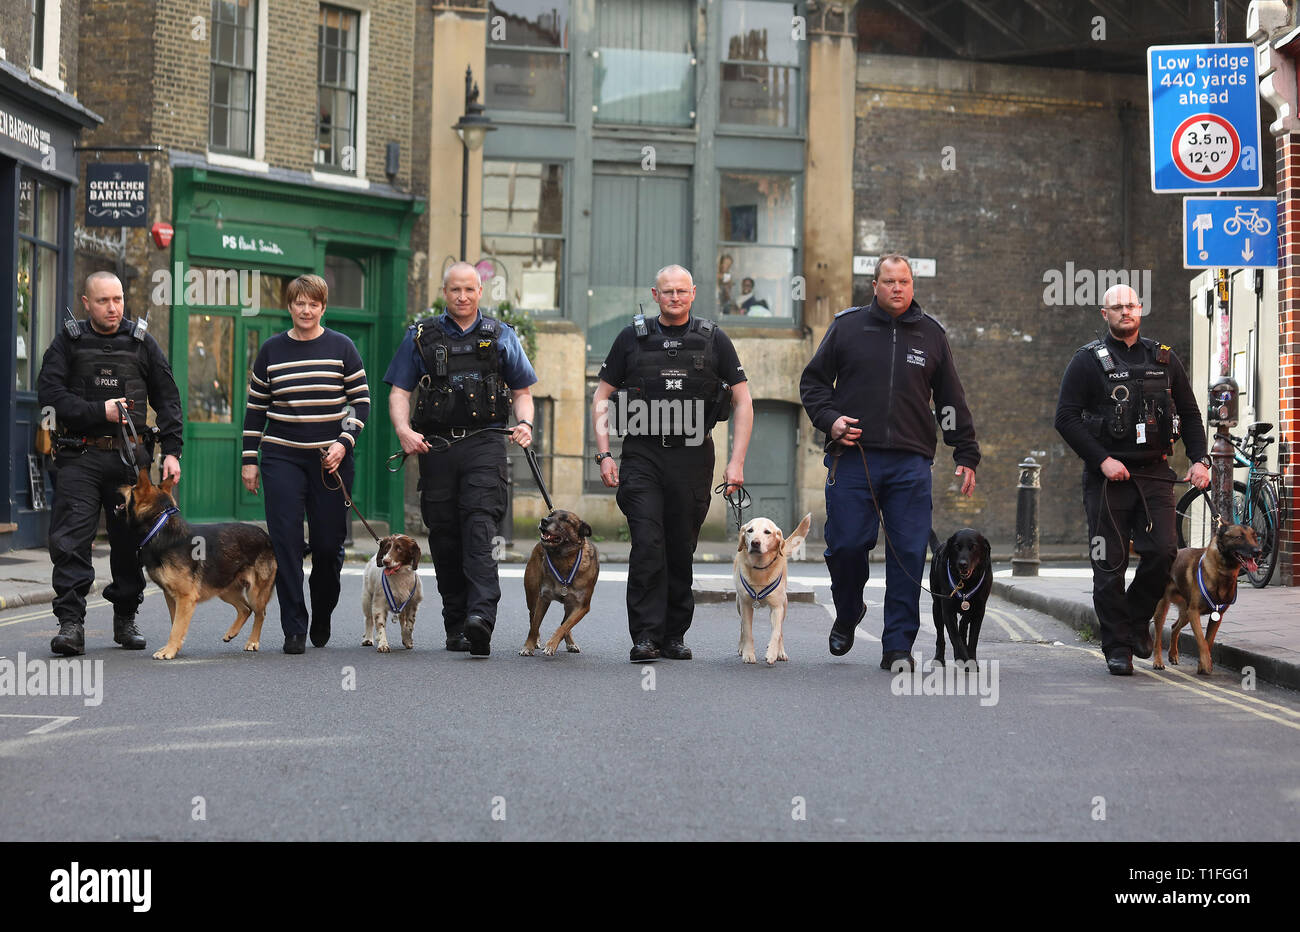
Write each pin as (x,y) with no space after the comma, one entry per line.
(1219,608)
(957,587)
(762,594)
(564,581)
(158,526)
(388,594)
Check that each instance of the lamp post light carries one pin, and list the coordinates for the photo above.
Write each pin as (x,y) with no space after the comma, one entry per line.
(472,128)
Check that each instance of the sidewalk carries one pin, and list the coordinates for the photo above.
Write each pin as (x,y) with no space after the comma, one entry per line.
(1262,630)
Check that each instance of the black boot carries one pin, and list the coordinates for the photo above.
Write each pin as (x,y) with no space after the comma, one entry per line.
(71,639)
(126,633)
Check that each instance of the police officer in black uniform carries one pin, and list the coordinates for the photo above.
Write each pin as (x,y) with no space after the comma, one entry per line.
(1124,400)
(454,381)
(90,367)
(682,372)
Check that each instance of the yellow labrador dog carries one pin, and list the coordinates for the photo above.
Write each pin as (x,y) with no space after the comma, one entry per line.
(760,578)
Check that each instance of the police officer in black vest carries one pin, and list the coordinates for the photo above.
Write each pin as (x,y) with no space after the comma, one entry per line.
(90,370)
(681,375)
(454,381)
(1124,400)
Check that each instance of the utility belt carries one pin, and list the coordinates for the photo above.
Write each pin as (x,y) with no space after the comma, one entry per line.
(69,443)
(665,441)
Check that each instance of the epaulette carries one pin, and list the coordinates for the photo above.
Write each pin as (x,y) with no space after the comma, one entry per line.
(936,321)
(847,310)
(1161,351)
(488,324)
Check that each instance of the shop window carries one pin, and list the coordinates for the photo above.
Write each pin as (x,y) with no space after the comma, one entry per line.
(346,279)
(234,48)
(336,120)
(211,349)
(523,231)
(645,62)
(760,66)
(37,290)
(528,57)
(758,245)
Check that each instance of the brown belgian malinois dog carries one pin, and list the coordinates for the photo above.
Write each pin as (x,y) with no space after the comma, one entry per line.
(1204,581)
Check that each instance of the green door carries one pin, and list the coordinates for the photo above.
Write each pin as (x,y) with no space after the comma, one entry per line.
(640,223)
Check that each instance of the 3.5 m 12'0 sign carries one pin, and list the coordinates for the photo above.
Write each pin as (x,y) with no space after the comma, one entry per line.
(1204,118)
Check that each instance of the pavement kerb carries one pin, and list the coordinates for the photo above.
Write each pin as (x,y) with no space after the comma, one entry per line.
(1078,616)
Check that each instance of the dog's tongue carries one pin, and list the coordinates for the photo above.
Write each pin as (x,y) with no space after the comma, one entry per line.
(1251,565)
(390,570)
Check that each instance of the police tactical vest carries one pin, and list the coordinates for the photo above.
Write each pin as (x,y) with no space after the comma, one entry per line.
(682,368)
(1138,414)
(106,367)
(462,385)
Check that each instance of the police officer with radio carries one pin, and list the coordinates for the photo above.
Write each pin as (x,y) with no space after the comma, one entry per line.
(454,381)
(1124,401)
(681,376)
(93,370)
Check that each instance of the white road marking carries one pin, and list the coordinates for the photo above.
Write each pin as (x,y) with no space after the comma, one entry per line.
(47,613)
(263,743)
(999,614)
(58,721)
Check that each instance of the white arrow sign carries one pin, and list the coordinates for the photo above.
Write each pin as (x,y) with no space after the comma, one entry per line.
(1247,253)
(1202,223)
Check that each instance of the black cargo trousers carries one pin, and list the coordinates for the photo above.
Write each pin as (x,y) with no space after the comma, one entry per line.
(1120,512)
(87,482)
(462,500)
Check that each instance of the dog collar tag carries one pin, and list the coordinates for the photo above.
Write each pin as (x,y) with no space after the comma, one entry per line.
(965,606)
(1215,616)
(757,604)
(564,592)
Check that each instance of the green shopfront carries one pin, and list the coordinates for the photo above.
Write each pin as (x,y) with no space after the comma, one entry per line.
(238,241)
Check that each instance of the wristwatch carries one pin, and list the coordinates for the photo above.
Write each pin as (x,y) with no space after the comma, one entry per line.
(1206,462)
(602,456)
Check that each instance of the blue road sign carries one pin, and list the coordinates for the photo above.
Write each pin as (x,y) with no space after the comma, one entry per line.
(1229,232)
(1204,102)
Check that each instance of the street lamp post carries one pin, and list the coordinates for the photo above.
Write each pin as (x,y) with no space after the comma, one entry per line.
(472,128)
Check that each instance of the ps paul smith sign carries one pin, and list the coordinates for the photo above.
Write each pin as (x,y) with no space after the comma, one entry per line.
(117,195)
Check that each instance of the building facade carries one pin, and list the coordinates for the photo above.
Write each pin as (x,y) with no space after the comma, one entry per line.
(41,125)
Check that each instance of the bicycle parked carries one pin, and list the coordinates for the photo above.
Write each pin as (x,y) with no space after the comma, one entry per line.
(1256,503)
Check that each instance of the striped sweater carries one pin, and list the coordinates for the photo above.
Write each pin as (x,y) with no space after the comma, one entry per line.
(299,394)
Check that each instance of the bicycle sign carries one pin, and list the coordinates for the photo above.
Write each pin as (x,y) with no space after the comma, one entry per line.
(1204,118)
(1229,232)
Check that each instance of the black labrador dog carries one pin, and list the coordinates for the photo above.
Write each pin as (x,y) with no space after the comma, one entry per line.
(961,579)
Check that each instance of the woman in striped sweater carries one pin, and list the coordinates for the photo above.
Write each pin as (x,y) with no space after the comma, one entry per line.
(307,403)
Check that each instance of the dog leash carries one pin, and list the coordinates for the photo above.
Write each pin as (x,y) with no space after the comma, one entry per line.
(541,486)
(127,451)
(1146,509)
(347,496)
(445,444)
(737,500)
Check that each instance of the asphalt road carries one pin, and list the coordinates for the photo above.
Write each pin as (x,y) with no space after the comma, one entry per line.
(434,745)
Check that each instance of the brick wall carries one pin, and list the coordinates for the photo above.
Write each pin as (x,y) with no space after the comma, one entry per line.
(1288,300)
(1002,175)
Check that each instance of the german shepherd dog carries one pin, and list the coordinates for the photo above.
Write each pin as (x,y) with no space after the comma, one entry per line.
(961,579)
(563,568)
(1204,581)
(192,563)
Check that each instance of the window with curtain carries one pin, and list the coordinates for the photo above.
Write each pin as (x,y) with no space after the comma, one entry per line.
(523,231)
(38,277)
(234,54)
(644,62)
(528,57)
(757,244)
(336,116)
(760,66)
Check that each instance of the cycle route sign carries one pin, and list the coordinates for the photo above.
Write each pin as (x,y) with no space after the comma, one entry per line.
(1204,106)
(1229,232)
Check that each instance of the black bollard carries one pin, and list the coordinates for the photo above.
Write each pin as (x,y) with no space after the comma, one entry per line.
(1221,414)
(1025,561)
